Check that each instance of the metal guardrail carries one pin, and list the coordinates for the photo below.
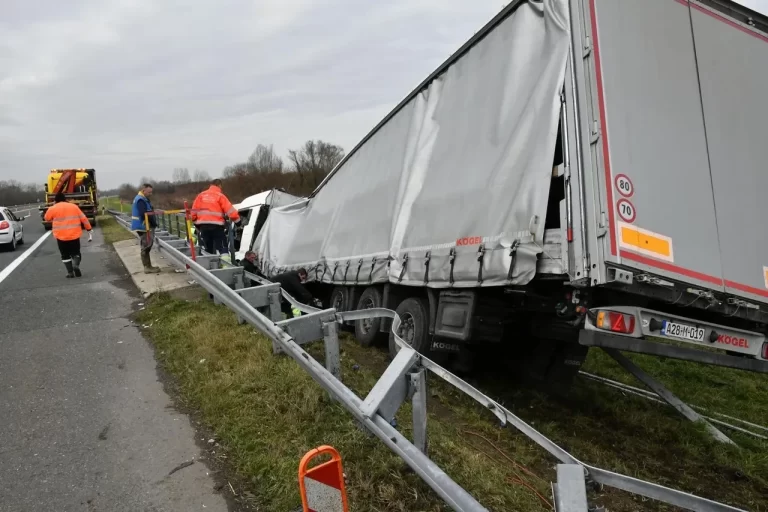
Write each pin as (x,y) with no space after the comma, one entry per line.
(404,379)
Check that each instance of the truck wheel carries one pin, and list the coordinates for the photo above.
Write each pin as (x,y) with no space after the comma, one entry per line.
(367,331)
(93,222)
(340,302)
(340,298)
(47,227)
(414,326)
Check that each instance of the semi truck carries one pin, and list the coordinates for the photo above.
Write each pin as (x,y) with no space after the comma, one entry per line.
(580,173)
(79,187)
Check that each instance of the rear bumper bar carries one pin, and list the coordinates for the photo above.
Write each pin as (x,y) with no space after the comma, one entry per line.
(624,343)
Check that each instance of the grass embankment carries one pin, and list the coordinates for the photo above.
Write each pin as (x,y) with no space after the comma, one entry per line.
(112,230)
(266,413)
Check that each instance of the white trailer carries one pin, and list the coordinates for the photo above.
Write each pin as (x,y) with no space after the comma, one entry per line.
(580,173)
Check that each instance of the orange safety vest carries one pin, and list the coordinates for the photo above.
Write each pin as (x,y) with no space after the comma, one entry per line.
(67,220)
(211,206)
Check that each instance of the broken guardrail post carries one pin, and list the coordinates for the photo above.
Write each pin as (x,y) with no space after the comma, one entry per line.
(570,491)
(418,388)
(332,354)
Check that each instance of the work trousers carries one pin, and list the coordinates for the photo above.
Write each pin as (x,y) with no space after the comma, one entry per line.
(146,240)
(214,238)
(69,249)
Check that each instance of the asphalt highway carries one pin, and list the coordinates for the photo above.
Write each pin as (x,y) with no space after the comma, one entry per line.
(86,424)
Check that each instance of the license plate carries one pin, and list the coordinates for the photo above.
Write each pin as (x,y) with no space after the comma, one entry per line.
(682,331)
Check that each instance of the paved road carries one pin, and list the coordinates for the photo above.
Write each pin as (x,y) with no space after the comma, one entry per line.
(85,424)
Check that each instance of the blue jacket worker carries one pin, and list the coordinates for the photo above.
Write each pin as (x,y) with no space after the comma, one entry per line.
(141,207)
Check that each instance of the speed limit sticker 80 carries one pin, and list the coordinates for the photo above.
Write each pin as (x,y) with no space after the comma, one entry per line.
(624,185)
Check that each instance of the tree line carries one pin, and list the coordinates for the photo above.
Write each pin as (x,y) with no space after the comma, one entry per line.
(299,173)
(13,193)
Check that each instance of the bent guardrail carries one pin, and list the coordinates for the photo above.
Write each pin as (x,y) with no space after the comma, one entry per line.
(404,379)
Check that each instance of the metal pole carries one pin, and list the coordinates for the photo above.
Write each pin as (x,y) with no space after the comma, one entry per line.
(666,394)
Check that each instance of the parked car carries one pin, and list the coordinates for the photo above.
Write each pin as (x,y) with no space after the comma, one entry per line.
(11,230)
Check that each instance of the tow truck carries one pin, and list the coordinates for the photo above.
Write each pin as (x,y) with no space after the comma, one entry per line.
(79,187)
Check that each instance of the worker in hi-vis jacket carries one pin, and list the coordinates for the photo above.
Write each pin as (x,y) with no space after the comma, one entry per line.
(67,223)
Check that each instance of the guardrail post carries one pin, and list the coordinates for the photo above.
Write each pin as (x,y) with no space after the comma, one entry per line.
(418,382)
(391,390)
(331,342)
(570,492)
(229,276)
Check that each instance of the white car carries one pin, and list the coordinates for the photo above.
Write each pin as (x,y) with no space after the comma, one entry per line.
(11,230)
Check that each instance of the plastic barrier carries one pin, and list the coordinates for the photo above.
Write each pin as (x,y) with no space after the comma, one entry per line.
(322,486)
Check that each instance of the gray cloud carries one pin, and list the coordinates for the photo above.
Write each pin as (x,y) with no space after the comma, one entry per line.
(137,87)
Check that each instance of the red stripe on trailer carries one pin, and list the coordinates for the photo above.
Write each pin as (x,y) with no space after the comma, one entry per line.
(672,268)
(746,288)
(603,125)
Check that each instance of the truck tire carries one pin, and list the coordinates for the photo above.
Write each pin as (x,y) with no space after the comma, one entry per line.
(367,331)
(339,298)
(414,326)
(340,302)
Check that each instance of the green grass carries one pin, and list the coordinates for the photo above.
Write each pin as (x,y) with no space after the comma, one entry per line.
(112,230)
(113,203)
(266,412)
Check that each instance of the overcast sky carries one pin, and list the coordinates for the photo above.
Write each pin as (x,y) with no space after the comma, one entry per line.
(137,87)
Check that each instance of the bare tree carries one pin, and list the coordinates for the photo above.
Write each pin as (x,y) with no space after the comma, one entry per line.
(201,175)
(240,169)
(314,160)
(264,160)
(181,175)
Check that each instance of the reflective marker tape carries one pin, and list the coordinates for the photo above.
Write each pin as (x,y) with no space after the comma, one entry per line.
(322,497)
(646,242)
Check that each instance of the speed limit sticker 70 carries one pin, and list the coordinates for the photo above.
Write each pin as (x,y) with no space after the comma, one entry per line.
(624,185)
(626,210)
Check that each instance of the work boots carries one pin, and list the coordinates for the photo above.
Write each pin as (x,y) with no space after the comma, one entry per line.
(76,265)
(70,269)
(147,262)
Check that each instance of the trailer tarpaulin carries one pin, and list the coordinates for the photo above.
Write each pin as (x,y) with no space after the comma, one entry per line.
(452,190)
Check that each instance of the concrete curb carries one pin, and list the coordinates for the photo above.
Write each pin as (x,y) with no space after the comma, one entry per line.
(168,280)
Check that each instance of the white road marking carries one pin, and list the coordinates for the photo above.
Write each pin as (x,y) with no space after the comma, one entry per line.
(15,263)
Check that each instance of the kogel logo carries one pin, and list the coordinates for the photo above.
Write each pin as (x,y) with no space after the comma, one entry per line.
(450,347)
(733,340)
(469,240)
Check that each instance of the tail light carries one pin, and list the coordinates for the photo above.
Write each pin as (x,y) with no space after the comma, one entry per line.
(615,321)
(765,350)
(4,225)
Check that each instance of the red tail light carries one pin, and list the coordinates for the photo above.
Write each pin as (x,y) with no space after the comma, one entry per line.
(4,225)
(616,322)
(765,350)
